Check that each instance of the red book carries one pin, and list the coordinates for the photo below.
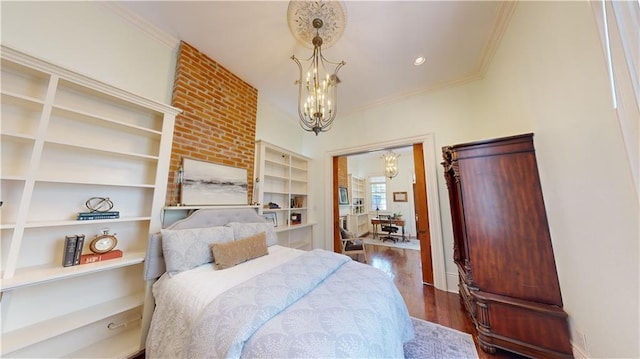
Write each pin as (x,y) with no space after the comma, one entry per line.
(94,257)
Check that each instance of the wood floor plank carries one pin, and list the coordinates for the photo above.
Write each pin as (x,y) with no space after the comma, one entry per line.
(424,301)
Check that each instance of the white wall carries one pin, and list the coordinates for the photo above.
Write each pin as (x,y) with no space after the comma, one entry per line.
(88,38)
(550,72)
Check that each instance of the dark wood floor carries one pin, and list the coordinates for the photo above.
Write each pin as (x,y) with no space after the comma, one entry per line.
(423,301)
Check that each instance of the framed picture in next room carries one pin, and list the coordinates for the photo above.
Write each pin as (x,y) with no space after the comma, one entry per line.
(343,196)
(400,196)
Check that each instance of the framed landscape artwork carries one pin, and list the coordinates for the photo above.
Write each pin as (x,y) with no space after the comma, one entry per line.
(205,183)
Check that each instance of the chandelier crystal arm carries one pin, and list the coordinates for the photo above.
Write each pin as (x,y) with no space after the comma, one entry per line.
(317,88)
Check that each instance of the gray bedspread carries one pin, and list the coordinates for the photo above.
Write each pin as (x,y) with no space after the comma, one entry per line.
(319,305)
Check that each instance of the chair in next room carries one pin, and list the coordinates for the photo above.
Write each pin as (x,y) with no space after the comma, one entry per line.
(386,224)
(351,245)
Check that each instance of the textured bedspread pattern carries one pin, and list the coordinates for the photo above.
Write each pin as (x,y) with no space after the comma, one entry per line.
(308,307)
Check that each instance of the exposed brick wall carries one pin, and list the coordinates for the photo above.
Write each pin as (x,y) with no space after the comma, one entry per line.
(218,122)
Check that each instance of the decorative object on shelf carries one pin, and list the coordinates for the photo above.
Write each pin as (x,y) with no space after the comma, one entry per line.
(297,202)
(69,250)
(271,217)
(256,191)
(400,197)
(209,183)
(390,164)
(296,218)
(343,196)
(179,177)
(99,257)
(272,205)
(99,204)
(104,242)
(73,245)
(86,216)
(317,23)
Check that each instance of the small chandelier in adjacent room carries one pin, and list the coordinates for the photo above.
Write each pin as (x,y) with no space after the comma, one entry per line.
(390,164)
(317,23)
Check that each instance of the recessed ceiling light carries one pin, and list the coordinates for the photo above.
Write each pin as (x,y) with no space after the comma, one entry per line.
(419,60)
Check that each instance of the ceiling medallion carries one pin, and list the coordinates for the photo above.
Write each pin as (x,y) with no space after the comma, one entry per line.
(300,16)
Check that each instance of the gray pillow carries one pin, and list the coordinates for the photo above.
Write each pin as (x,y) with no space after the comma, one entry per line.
(185,249)
(344,234)
(244,230)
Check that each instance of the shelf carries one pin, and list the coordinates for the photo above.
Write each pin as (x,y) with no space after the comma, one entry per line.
(12,96)
(74,222)
(102,150)
(277,177)
(107,120)
(121,345)
(294,226)
(52,272)
(19,137)
(78,223)
(284,180)
(48,329)
(65,138)
(95,183)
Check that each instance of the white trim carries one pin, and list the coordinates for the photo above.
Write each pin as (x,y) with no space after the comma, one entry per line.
(578,353)
(452,282)
(130,16)
(433,202)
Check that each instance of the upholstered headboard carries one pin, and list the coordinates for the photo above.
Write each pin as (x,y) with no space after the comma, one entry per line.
(154,265)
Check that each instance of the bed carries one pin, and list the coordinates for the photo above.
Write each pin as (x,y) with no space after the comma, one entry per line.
(275,302)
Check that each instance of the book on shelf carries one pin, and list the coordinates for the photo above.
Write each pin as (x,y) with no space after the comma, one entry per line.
(68,256)
(78,252)
(95,257)
(86,216)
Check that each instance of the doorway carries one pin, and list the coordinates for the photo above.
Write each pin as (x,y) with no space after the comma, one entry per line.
(428,215)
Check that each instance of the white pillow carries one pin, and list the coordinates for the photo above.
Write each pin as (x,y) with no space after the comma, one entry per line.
(185,249)
(244,230)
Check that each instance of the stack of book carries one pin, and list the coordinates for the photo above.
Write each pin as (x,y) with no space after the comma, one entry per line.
(72,256)
(72,250)
(85,216)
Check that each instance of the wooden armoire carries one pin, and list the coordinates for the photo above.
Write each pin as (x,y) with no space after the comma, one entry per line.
(502,247)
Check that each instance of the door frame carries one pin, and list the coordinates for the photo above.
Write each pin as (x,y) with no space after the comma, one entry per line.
(433,202)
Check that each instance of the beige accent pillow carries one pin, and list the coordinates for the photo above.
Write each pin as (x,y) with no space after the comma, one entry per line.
(229,254)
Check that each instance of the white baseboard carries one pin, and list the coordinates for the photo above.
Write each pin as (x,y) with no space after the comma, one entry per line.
(452,282)
(578,353)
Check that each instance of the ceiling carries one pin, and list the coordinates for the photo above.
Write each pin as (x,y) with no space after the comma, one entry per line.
(380,42)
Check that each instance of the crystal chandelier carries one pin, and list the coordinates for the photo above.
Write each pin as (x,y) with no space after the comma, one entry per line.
(390,164)
(317,84)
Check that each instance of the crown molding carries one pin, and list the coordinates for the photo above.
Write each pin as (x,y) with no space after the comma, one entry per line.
(130,16)
(500,25)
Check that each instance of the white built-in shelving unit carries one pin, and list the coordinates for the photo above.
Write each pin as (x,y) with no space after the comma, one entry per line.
(66,138)
(282,179)
(358,218)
